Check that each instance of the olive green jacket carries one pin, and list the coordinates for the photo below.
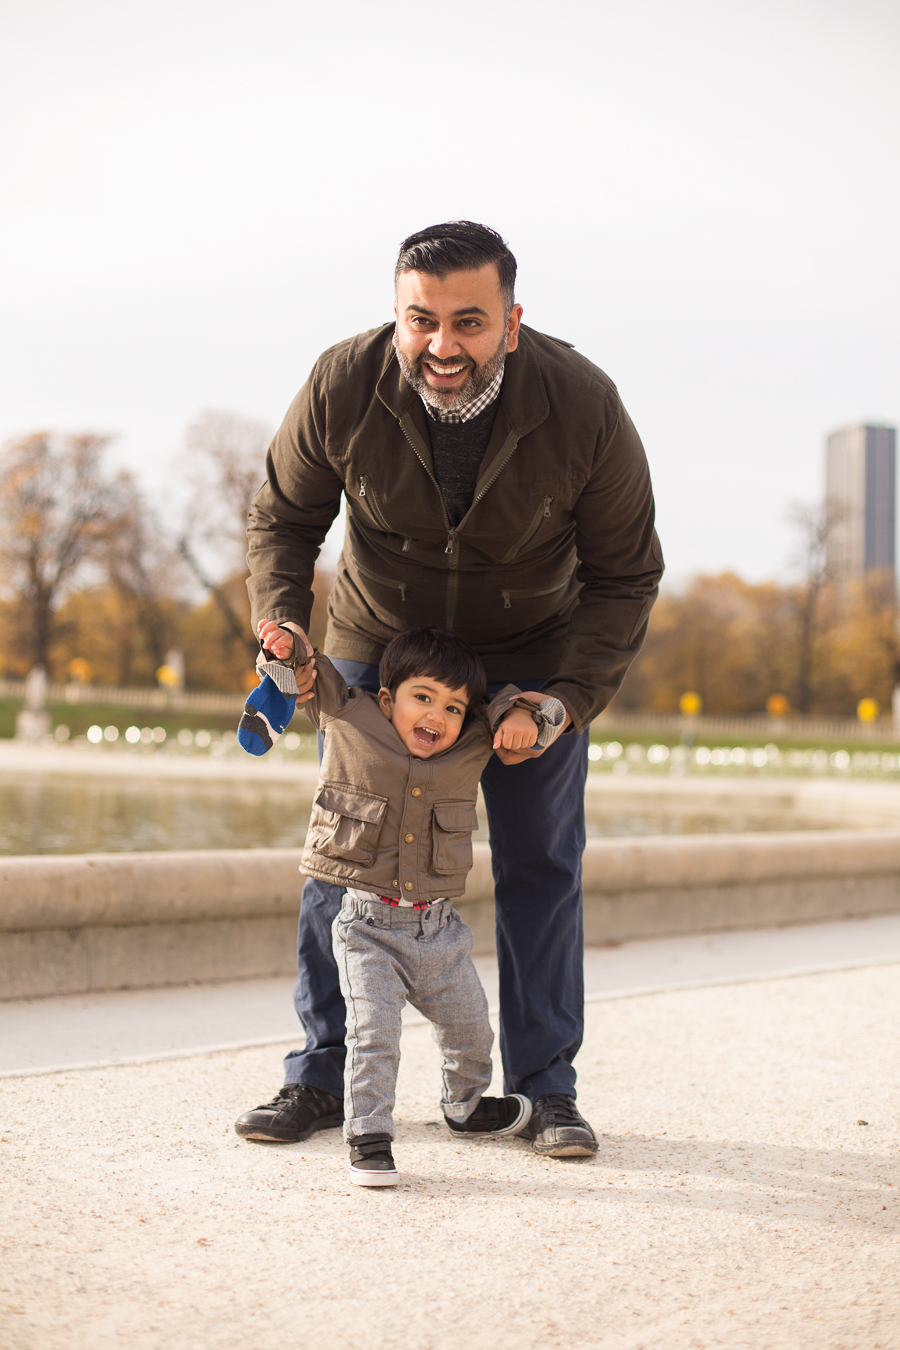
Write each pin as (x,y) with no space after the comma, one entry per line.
(550,575)
(382,819)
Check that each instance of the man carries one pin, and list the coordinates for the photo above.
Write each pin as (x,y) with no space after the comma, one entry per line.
(495,486)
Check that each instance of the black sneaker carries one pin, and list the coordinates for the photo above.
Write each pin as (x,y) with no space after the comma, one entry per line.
(371,1161)
(296,1113)
(494,1116)
(558,1130)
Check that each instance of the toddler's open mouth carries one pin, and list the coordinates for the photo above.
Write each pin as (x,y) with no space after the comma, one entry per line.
(425,737)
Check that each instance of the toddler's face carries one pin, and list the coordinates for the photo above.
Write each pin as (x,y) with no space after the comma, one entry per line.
(427,715)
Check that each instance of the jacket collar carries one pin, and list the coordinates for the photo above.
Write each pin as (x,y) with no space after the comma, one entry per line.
(523,399)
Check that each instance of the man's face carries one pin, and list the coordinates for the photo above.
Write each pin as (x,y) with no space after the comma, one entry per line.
(427,715)
(453,334)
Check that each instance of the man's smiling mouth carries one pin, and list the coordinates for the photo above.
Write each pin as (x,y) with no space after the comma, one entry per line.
(445,372)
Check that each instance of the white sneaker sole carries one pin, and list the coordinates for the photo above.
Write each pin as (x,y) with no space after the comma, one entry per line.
(359,1177)
(521,1122)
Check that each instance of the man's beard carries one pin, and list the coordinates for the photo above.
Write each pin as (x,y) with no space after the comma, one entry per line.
(451,400)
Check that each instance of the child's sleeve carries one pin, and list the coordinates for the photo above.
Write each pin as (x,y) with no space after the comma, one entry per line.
(549,716)
(331,697)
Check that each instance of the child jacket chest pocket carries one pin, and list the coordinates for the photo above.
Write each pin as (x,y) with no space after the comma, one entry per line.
(453,823)
(346,823)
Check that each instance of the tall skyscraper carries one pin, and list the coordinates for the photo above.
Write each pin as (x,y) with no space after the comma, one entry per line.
(860,496)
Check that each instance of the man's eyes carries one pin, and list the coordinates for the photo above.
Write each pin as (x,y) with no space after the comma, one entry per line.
(419,321)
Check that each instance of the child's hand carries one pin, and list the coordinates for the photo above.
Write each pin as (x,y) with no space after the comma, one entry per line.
(280,642)
(517,731)
(276,640)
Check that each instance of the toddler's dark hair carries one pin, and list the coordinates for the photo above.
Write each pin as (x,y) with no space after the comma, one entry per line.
(437,654)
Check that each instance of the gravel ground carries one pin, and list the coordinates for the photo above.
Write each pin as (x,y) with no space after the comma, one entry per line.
(736,1200)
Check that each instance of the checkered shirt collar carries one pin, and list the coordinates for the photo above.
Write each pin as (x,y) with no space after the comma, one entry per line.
(468,410)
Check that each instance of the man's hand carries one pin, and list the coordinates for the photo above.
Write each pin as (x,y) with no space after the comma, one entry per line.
(517,755)
(281,644)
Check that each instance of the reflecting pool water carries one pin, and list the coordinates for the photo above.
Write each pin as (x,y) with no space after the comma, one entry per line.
(110,815)
(100,814)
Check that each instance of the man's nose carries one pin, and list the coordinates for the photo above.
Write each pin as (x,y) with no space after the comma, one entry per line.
(443,344)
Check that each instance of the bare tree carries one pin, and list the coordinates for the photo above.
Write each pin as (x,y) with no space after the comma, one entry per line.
(815,526)
(143,567)
(225,466)
(58,509)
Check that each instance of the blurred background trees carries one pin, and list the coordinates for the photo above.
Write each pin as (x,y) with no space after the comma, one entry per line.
(224,465)
(737,643)
(96,585)
(59,515)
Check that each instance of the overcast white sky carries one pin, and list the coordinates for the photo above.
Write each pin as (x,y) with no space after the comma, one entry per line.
(201,195)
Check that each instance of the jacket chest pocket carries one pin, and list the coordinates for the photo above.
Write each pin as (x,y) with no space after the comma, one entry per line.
(346,823)
(452,826)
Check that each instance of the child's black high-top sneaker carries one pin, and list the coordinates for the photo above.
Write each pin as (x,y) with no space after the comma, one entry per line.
(496,1116)
(371,1161)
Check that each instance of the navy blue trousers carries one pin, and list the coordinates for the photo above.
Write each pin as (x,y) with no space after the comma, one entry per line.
(536,823)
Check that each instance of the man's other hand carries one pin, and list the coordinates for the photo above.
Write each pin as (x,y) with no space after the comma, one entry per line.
(280,643)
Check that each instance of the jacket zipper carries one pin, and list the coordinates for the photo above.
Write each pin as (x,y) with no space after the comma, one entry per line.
(366,492)
(451,550)
(400,586)
(508,596)
(411,435)
(542,513)
(506,452)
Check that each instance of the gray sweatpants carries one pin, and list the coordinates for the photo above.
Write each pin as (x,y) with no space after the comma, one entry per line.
(385,956)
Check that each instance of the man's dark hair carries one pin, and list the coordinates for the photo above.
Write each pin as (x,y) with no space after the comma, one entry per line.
(458,246)
(435,654)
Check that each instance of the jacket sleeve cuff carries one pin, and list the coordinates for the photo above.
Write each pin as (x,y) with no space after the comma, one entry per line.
(549,717)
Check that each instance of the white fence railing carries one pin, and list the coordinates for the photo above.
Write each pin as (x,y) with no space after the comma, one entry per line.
(160,700)
(755,727)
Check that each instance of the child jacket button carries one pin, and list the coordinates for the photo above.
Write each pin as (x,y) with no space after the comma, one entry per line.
(417,792)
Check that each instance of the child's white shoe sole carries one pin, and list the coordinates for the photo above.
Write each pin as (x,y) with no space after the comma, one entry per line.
(520,1124)
(517,1126)
(359,1177)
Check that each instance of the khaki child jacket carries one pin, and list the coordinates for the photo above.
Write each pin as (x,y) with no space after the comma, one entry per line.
(383,820)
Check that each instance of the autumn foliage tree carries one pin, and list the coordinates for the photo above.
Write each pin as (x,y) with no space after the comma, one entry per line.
(132,613)
(59,511)
(736,643)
